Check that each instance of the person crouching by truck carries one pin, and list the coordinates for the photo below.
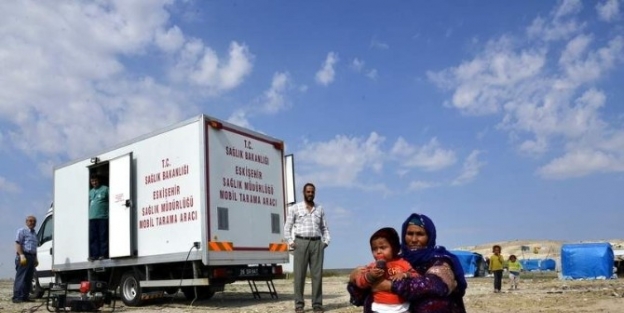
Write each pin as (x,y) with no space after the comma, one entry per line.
(98,219)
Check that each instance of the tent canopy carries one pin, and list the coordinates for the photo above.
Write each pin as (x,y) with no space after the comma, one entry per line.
(539,264)
(587,261)
(472,263)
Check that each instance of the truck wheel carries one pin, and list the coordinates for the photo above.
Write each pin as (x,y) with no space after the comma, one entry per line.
(130,289)
(203,293)
(36,291)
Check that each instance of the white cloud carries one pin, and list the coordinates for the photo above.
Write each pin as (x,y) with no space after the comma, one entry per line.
(272,101)
(429,157)
(170,40)
(7,186)
(340,161)
(561,23)
(325,75)
(470,170)
(575,49)
(379,45)
(580,163)
(421,185)
(590,66)
(274,97)
(46,167)
(484,84)
(568,7)
(357,65)
(239,117)
(82,70)
(372,74)
(76,72)
(583,119)
(340,216)
(552,30)
(609,10)
(201,66)
(534,147)
(544,99)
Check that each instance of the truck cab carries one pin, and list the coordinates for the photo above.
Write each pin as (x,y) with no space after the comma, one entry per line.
(43,274)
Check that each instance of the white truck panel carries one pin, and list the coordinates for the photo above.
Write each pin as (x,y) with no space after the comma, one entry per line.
(180,179)
(71,224)
(158,231)
(169,181)
(289,179)
(120,209)
(246,179)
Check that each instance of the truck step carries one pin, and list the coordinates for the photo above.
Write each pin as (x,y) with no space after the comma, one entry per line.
(256,293)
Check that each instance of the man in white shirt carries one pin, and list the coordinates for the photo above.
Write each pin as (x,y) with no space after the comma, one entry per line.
(307,234)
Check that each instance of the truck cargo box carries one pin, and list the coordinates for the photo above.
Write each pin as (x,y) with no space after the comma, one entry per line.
(202,192)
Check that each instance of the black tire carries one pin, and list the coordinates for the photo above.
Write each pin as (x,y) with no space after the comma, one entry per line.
(203,293)
(130,289)
(36,292)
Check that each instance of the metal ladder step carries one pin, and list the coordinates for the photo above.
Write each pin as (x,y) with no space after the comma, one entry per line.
(256,293)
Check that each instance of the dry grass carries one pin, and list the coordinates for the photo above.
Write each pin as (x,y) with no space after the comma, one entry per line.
(539,292)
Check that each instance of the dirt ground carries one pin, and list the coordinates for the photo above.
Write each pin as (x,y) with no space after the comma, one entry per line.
(538,292)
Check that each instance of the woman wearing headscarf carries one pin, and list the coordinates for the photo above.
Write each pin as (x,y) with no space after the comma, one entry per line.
(441,285)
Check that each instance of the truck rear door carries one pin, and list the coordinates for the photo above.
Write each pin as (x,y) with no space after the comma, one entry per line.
(120,207)
(246,197)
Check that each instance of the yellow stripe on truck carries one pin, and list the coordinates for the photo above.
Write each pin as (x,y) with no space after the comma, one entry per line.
(220,246)
(278,247)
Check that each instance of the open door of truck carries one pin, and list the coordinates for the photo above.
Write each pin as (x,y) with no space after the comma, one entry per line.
(120,207)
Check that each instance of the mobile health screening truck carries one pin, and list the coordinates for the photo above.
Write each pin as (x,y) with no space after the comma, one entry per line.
(195,206)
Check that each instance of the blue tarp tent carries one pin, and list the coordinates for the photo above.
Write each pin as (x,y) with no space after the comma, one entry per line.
(471,262)
(539,264)
(587,261)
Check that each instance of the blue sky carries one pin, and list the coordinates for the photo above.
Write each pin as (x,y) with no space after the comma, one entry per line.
(500,120)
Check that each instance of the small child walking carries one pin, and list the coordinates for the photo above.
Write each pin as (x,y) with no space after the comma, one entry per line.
(515,267)
(496,267)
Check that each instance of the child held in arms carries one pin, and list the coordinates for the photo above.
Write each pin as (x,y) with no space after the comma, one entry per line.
(385,246)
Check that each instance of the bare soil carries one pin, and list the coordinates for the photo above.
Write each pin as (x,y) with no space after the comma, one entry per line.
(538,292)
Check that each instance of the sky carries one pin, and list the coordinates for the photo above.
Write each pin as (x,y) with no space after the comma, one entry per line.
(500,120)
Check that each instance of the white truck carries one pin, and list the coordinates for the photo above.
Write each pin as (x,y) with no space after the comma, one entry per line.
(195,206)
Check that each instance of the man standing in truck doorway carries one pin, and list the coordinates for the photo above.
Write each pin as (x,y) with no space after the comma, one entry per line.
(307,234)
(98,219)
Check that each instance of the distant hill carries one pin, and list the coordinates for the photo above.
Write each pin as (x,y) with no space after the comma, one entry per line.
(534,249)
(537,249)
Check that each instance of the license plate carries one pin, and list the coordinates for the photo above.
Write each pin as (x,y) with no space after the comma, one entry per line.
(248,272)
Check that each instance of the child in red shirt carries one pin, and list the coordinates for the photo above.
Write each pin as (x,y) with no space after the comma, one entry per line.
(385,246)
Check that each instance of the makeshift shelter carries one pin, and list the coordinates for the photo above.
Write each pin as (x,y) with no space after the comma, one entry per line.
(538,264)
(472,263)
(587,261)
(618,263)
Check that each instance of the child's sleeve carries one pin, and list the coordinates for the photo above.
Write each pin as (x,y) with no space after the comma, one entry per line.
(360,280)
